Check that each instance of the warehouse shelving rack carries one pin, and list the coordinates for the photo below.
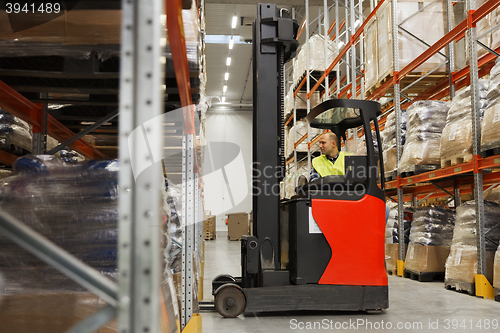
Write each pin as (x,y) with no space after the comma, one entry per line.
(446,181)
(346,61)
(136,299)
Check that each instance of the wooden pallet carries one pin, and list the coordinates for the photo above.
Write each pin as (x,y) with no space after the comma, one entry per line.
(390,175)
(394,273)
(490,152)
(460,286)
(454,160)
(233,239)
(315,75)
(423,276)
(423,85)
(497,294)
(208,236)
(420,168)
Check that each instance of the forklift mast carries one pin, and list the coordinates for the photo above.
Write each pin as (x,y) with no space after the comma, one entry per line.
(274,43)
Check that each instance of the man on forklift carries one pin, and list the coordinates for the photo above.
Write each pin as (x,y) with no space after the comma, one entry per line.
(331,162)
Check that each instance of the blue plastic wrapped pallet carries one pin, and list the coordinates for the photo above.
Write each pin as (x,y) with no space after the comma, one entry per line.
(73,205)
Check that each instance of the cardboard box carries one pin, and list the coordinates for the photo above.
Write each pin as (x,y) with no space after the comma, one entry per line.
(49,312)
(430,259)
(237,225)
(462,264)
(392,251)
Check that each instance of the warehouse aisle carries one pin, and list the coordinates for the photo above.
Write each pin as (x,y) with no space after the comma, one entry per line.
(414,306)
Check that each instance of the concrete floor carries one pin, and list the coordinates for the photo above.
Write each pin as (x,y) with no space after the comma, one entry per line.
(414,306)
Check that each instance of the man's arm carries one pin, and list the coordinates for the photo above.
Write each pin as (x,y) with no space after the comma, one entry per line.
(314,175)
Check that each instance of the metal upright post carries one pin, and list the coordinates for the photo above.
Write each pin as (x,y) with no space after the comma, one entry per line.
(414,201)
(337,32)
(347,60)
(308,88)
(397,109)
(361,55)
(352,10)
(451,47)
(326,25)
(476,147)
(456,193)
(141,100)
(188,223)
(39,145)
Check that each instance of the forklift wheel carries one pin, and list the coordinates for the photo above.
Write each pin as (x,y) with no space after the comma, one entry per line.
(230,301)
(224,278)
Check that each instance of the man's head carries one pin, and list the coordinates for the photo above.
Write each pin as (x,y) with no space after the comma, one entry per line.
(328,144)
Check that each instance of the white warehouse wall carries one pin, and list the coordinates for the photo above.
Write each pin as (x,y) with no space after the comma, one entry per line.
(230,126)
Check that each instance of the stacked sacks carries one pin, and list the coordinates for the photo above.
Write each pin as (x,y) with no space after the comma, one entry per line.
(461,265)
(426,120)
(392,237)
(388,137)
(496,274)
(430,239)
(490,135)
(316,56)
(290,180)
(298,131)
(456,141)
(75,206)
(14,131)
(173,227)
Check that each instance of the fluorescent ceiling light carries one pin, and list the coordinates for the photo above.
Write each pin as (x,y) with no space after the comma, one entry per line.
(231,43)
(233,24)
(357,22)
(228,61)
(224,89)
(223,99)
(226,76)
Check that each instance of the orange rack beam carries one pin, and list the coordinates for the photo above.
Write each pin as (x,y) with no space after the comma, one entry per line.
(21,107)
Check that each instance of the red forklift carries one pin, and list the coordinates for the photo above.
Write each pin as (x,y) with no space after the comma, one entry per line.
(323,249)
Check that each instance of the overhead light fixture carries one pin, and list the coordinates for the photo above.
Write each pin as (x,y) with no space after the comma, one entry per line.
(231,43)
(223,99)
(224,89)
(233,24)
(228,61)
(356,23)
(226,76)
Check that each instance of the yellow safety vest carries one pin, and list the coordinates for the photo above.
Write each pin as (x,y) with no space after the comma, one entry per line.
(324,167)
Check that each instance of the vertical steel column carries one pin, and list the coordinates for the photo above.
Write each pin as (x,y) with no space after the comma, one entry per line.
(326,25)
(353,47)
(188,230)
(397,109)
(476,141)
(141,100)
(414,201)
(295,162)
(451,47)
(39,145)
(361,55)
(337,32)
(198,218)
(456,193)
(347,60)
(308,88)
